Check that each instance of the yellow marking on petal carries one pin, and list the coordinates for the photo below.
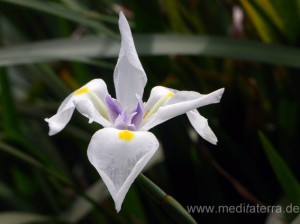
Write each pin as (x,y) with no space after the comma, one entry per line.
(158,104)
(170,94)
(126,135)
(82,91)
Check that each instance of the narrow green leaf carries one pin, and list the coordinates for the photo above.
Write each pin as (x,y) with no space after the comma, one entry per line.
(173,14)
(72,4)
(21,218)
(261,25)
(150,45)
(59,10)
(287,180)
(21,155)
(8,111)
(32,161)
(289,14)
(272,12)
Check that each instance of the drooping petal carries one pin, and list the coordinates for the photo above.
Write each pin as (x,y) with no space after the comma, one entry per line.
(201,126)
(94,93)
(182,102)
(64,113)
(119,156)
(129,76)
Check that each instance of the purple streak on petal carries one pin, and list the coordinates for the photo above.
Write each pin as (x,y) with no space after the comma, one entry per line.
(113,106)
(139,113)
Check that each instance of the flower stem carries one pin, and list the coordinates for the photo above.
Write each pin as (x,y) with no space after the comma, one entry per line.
(171,206)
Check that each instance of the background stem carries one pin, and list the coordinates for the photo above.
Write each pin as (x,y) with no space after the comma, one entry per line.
(171,206)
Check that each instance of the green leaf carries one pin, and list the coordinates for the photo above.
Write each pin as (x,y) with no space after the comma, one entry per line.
(32,161)
(259,22)
(272,12)
(287,180)
(150,45)
(289,14)
(8,112)
(21,218)
(59,10)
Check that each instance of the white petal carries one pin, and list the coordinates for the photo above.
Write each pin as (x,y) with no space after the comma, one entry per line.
(87,109)
(119,159)
(182,102)
(58,121)
(156,94)
(201,126)
(97,90)
(97,86)
(129,76)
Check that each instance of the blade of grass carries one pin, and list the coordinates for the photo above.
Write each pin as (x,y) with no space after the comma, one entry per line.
(287,180)
(151,45)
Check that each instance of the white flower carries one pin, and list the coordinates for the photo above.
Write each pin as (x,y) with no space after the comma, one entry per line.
(122,148)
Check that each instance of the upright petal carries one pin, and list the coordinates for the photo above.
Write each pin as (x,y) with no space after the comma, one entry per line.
(119,156)
(129,76)
(138,113)
(201,126)
(182,102)
(113,107)
(88,100)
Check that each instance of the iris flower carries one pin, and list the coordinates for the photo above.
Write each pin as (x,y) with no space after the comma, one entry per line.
(120,150)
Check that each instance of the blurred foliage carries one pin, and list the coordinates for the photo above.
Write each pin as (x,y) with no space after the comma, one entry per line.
(49,179)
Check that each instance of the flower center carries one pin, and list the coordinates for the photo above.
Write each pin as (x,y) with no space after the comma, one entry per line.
(121,118)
